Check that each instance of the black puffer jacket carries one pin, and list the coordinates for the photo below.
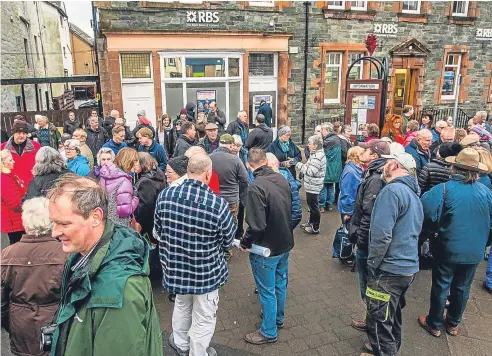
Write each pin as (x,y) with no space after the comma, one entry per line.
(260,137)
(368,190)
(40,185)
(433,173)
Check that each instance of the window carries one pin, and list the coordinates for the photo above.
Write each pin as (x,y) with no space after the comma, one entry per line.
(173,67)
(36,45)
(356,71)
(336,5)
(450,77)
(233,67)
(261,64)
(135,65)
(26,50)
(61,21)
(358,5)
(262,3)
(64,52)
(172,62)
(333,71)
(411,7)
(205,67)
(18,103)
(460,8)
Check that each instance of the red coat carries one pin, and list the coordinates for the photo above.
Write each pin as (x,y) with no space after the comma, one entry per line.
(25,163)
(214,183)
(11,204)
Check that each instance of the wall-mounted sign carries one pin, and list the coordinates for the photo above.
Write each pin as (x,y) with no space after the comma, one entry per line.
(484,34)
(386,29)
(368,86)
(202,18)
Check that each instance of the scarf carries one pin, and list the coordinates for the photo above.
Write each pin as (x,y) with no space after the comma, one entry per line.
(284,146)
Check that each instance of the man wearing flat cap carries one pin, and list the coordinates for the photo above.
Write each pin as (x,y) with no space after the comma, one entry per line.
(460,211)
(23,151)
(211,140)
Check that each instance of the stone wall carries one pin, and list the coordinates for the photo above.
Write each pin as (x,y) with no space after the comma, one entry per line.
(434,30)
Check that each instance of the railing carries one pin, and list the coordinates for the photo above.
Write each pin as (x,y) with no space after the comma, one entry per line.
(332,119)
(57,117)
(441,113)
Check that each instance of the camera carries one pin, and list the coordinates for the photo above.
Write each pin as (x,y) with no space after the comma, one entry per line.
(47,337)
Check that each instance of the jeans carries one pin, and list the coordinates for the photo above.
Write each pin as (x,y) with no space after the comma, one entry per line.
(488,273)
(271,277)
(194,319)
(453,280)
(361,263)
(327,195)
(314,214)
(385,298)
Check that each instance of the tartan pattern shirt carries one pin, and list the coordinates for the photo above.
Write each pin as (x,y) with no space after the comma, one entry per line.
(193,226)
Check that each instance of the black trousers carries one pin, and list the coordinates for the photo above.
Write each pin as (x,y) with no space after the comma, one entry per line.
(385,297)
(314,214)
(15,236)
(240,222)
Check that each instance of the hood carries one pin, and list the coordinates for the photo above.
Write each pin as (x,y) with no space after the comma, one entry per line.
(355,167)
(155,174)
(376,165)
(264,127)
(410,181)
(263,171)
(111,171)
(143,120)
(331,140)
(190,107)
(223,149)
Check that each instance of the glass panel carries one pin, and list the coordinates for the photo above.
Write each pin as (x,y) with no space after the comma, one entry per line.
(411,6)
(262,3)
(450,74)
(358,5)
(205,67)
(356,71)
(234,100)
(174,99)
(220,95)
(335,4)
(135,65)
(261,64)
(233,67)
(460,7)
(332,79)
(173,67)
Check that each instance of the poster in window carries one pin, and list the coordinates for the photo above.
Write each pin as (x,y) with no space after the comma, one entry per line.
(363,101)
(371,102)
(355,102)
(203,100)
(447,87)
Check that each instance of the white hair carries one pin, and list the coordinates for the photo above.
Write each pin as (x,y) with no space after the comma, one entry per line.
(272,160)
(316,141)
(102,151)
(237,140)
(424,132)
(327,126)
(48,160)
(35,216)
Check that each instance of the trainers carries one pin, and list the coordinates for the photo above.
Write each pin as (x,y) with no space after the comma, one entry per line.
(310,230)
(305,224)
(211,351)
(359,325)
(176,348)
(321,210)
(256,338)
(423,323)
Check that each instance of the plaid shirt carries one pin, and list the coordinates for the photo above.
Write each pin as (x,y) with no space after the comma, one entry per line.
(193,225)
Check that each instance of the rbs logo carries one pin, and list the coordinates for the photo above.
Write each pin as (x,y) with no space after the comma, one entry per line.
(389,29)
(202,17)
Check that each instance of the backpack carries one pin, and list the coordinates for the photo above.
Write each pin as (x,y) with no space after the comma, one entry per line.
(342,247)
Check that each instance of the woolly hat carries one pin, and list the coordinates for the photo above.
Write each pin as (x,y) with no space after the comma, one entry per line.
(283,130)
(20,126)
(182,111)
(179,165)
(448,149)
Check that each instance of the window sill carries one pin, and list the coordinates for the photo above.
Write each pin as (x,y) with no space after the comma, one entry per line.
(462,20)
(349,14)
(415,18)
(333,106)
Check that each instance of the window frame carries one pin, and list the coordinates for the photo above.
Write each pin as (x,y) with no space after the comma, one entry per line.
(275,65)
(267,4)
(360,65)
(419,8)
(338,100)
(456,80)
(336,7)
(137,80)
(460,14)
(358,8)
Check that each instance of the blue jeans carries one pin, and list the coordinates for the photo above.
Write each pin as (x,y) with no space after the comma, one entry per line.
(271,277)
(361,263)
(455,280)
(327,195)
(488,272)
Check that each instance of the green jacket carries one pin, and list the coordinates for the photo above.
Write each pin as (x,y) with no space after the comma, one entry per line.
(107,307)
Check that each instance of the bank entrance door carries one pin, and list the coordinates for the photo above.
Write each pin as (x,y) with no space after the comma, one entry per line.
(404,93)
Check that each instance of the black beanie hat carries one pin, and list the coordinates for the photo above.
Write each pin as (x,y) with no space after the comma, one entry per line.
(448,149)
(179,165)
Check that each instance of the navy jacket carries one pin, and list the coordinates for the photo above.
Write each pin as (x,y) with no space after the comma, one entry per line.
(266,111)
(295,185)
(282,156)
(156,151)
(115,147)
(421,158)
(396,223)
(462,220)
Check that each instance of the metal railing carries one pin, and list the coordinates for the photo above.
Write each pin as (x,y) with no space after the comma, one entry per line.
(441,113)
(332,119)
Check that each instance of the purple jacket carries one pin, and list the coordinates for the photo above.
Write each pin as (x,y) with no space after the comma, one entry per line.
(112,178)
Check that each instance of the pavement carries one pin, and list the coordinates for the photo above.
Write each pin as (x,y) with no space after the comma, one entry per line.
(323,297)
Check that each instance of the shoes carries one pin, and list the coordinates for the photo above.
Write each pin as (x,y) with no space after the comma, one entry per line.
(177,349)
(310,230)
(305,224)
(211,351)
(451,330)
(321,210)
(256,338)
(330,208)
(359,325)
(228,254)
(423,323)
(489,290)
(279,325)
(171,297)
(368,348)
(255,291)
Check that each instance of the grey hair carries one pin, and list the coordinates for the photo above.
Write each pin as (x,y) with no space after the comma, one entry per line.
(316,141)
(273,161)
(424,132)
(441,123)
(193,150)
(317,129)
(48,160)
(102,151)
(237,140)
(327,126)
(35,217)
(84,193)
(198,164)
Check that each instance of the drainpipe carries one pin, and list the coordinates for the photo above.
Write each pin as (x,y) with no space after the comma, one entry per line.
(456,99)
(98,81)
(306,51)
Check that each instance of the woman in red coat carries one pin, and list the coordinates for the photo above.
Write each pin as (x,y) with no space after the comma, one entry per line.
(393,129)
(11,196)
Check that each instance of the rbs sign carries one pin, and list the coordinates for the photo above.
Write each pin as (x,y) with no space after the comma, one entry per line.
(386,30)
(202,17)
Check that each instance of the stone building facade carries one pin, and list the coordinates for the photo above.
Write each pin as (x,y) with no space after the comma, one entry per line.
(35,43)
(427,45)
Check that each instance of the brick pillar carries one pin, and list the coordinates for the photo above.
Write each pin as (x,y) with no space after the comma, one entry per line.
(245,84)
(116,101)
(156,65)
(283,72)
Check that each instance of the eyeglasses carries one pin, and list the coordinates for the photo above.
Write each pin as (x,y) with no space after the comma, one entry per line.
(68,149)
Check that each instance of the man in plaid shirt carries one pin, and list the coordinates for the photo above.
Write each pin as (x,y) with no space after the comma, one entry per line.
(193,226)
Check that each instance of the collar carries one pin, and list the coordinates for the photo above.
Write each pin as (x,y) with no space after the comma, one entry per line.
(195,182)
(223,149)
(263,170)
(26,238)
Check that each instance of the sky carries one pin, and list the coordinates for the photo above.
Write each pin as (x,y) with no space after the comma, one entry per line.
(80,14)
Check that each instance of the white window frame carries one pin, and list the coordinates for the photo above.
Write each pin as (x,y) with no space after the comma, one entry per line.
(262,3)
(456,79)
(336,7)
(339,66)
(411,11)
(137,80)
(461,14)
(184,80)
(275,66)
(358,8)
(360,64)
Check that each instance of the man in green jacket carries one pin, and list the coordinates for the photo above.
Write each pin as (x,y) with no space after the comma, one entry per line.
(107,306)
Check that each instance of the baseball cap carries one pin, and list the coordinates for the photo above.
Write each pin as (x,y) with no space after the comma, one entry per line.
(378,146)
(211,126)
(405,160)
(141,113)
(226,139)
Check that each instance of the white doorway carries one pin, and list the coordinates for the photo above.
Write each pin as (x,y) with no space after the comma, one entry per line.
(136,97)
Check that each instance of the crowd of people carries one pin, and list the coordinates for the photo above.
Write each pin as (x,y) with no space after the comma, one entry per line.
(167,202)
